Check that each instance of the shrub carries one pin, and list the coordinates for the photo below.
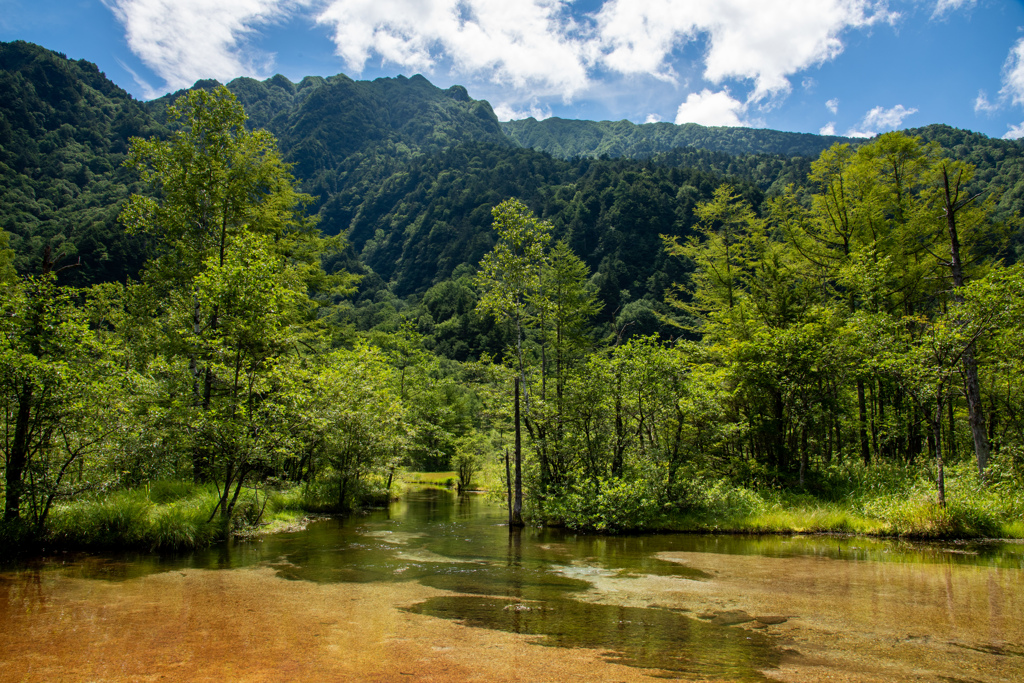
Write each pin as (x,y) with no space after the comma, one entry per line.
(719,498)
(118,519)
(608,505)
(182,526)
(971,510)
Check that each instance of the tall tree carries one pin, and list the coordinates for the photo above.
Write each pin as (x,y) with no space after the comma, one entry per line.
(509,278)
(221,190)
(56,398)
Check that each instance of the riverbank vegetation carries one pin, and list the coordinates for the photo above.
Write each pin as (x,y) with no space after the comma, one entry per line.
(843,355)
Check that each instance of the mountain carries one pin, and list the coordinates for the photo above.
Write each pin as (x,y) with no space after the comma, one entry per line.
(569,138)
(64,131)
(999,164)
(335,130)
(408,171)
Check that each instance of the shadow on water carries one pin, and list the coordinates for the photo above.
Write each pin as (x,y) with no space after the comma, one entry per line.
(678,646)
(430,528)
(525,582)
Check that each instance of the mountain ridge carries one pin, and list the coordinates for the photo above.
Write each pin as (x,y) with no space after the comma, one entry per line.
(404,169)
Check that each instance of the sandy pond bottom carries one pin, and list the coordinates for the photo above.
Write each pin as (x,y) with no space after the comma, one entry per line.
(434,590)
(249,625)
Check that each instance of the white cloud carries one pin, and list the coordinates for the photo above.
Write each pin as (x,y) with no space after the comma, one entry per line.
(942,7)
(652,118)
(828,129)
(185,40)
(808,84)
(833,105)
(540,48)
(981,104)
(854,133)
(1015,132)
(714,109)
(1013,74)
(1013,84)
(880,118)
(765,41)
(148,90)
(507,112)
(527,44)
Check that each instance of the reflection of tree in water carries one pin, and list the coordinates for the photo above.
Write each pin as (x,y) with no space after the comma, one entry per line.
(515,578)
(641,637)
(24,594)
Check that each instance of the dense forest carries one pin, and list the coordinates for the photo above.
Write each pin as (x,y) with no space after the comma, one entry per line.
(237,301)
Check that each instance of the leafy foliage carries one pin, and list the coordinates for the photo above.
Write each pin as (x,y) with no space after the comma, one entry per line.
(570,138)
(64,131)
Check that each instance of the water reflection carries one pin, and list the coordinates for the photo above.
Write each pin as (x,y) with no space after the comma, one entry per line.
(649,638)
(468,527)
(626,595)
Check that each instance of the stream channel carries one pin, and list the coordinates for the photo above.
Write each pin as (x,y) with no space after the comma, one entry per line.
(437,589)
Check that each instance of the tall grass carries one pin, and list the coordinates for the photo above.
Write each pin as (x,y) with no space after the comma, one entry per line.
(884,499)
(972,509)
(132,519)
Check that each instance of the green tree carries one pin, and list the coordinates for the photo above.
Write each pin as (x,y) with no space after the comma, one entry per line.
(510,281)
(236,260)
(58,394)
(7,272)
(564,311)
(728,239)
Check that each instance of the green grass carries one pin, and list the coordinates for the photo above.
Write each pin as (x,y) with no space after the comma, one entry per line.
(131,519)
(1013,529)
(447,479)
(885,500)
(168,516)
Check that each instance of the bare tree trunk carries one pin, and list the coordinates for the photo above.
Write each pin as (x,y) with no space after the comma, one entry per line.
(803,455)
(517,506)
(940,477)
(865,449)
(975,411)
(13,484)
(508,487)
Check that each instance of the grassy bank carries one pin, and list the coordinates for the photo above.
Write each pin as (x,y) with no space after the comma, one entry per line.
(882,501)
(893,501)
(167,516)
(889,501)
(176,515)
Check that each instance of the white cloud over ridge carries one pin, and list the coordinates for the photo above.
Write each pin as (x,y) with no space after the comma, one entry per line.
(507,112)
(185,40)
(880,118)
(714,109)
(529,44)
(1015,132)
(541,48)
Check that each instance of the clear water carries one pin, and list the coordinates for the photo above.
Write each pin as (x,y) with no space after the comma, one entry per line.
(547,583)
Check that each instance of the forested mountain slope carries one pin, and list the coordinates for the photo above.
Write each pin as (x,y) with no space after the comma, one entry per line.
(999,164)
(571,138)
(340,134)
(769,158)
(64,131)
(408,171)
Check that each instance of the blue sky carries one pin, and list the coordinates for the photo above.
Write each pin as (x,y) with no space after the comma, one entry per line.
(849,67)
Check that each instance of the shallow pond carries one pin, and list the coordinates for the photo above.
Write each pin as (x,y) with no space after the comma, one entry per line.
(436,588)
